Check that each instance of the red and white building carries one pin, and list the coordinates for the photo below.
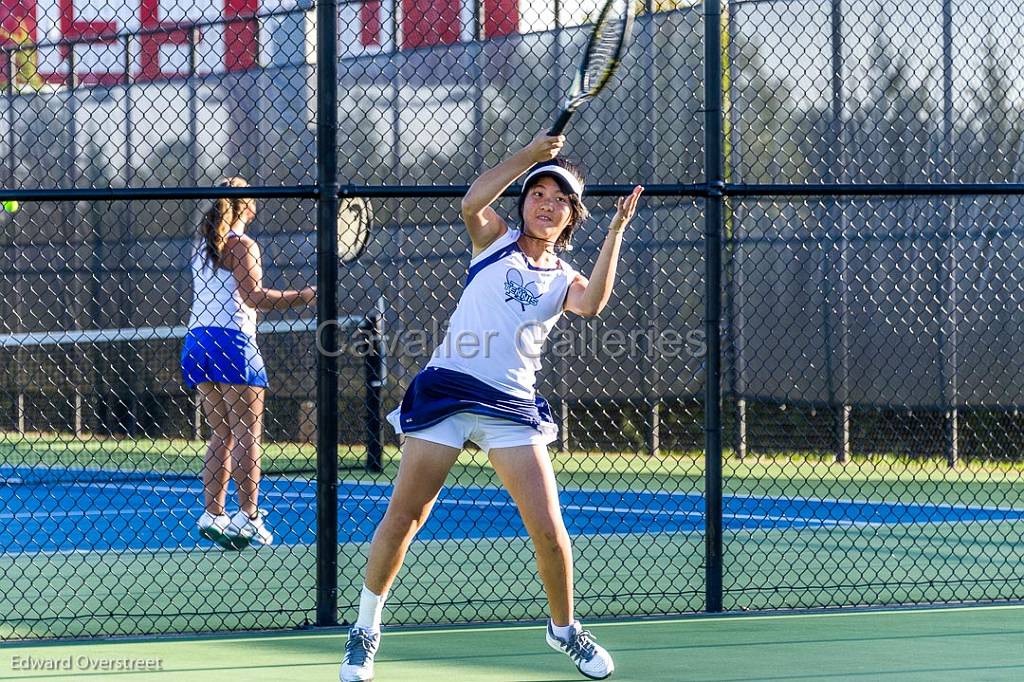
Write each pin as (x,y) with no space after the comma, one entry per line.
(238,38)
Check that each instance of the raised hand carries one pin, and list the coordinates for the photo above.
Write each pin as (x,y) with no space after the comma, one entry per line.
(545,147)
(626,209)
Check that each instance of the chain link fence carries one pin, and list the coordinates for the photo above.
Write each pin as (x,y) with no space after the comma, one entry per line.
(867,176)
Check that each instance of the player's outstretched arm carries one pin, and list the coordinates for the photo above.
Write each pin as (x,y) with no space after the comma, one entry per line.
(483,223)
(589,297)
(246,265)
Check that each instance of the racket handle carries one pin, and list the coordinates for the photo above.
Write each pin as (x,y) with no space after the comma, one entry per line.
(561,122)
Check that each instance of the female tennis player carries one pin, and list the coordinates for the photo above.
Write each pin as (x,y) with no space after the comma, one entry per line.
(221,360)
(479,386)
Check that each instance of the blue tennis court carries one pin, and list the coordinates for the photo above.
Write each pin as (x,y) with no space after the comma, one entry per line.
(95,511)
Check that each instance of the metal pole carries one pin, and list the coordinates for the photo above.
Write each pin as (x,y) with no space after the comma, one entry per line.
(395,74)
(327,310)
(564,362)
(557,89)
(12,139)
(947,339)
(741,428)
(563,417)
(713,220)
(19,406)
(107,395)
(838,394)
(733,270)
(197,416)
(479,20)
(78,409)
(126,368)
(653,431)
(477,73)
(74,219)
(72,81)
(649,144)
(193,106)
(374,369)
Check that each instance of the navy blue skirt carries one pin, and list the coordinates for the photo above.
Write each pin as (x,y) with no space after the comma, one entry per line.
(437,393)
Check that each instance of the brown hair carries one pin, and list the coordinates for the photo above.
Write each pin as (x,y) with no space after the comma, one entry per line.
(218,219)
(579,211)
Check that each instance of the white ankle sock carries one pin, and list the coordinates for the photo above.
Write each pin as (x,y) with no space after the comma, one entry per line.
(563,631)
(370,607)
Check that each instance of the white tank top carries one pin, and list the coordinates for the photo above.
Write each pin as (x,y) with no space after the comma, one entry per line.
(503,318)
(216,301)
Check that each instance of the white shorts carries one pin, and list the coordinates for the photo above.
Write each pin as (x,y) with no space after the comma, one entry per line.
(487,432)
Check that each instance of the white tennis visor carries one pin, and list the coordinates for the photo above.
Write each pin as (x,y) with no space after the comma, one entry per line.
(553,169)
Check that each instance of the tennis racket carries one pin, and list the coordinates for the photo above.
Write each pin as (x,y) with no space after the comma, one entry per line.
(608,42)
(354,220)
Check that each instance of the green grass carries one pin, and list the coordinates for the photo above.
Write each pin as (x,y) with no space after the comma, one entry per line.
(84,594)
(880,477)
(131,454)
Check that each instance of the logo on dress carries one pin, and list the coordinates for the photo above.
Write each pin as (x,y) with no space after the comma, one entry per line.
(515,290)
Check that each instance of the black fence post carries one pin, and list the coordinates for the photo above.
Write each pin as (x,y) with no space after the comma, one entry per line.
(713,222)
(947,249)
(838,348)
(12,161)
(327,311)
(373,327)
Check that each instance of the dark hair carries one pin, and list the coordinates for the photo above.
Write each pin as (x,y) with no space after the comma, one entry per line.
(217,220)
(579,211)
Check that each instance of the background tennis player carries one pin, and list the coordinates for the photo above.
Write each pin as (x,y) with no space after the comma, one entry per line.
(221,360)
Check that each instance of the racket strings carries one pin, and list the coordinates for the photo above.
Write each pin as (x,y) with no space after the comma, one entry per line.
(605,50)
(601,57)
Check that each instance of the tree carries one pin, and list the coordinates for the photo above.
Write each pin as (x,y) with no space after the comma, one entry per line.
(990,144)
(26,60)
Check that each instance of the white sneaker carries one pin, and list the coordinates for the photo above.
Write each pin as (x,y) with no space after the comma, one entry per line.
(589,657)
(361,647)
(243,531)
(214,527)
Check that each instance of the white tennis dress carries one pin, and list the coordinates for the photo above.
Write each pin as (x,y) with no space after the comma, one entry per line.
(488,360)
(220,345)
(216,301)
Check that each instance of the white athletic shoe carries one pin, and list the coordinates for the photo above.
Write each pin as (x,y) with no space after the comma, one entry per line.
(214,527)
(361,647)
(243,531)
(589,657)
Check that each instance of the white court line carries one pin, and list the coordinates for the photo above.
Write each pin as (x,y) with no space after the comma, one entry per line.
(697,619)
(74,513)
(809,522)
(620,510)
(377,499)
(761,498)
(663,493)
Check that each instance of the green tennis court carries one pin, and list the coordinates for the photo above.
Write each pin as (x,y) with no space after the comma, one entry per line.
(777,564)
(920,644)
